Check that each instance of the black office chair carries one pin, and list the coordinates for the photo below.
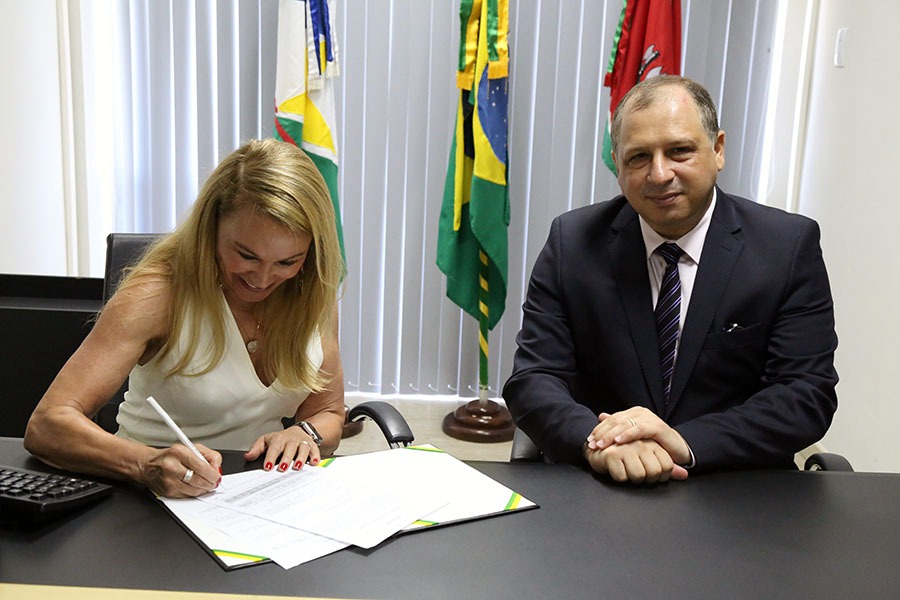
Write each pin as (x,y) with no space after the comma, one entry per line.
(124,249)
(525,450)
(392,424)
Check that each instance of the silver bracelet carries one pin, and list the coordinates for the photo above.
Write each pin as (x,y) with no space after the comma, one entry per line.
(310,431)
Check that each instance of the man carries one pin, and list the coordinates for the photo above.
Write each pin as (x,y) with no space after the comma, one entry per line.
(749,323)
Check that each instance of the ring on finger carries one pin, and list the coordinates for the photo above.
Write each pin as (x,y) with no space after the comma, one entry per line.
(188,475)
(633,424)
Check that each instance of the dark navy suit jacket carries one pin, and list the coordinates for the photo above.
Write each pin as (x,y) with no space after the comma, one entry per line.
(752,396)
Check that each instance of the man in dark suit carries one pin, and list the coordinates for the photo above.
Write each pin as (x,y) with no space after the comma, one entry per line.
(748,301)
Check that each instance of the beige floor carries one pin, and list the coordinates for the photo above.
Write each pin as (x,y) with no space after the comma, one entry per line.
(425,418)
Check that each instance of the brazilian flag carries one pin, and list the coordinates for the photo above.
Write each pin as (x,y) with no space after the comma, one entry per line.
(472,237)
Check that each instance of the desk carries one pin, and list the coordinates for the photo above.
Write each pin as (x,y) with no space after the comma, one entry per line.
(754,534)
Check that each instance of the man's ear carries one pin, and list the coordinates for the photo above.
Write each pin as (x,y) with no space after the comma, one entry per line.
(719,148)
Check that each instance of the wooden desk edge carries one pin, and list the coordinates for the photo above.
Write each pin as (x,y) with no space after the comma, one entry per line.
(54,592)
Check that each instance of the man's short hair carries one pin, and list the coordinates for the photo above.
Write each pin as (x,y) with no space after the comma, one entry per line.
(646,92)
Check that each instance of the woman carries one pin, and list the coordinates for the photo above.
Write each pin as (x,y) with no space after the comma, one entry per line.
(229,323)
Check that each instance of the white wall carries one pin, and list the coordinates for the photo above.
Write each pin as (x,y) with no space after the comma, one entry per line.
(849,184)
(32,208)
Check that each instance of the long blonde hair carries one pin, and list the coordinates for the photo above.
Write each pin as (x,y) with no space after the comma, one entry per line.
(280,181)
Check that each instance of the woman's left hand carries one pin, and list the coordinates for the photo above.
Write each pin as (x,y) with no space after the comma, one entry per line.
(290,448)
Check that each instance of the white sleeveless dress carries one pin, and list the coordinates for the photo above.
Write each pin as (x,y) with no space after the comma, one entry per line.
(227,408)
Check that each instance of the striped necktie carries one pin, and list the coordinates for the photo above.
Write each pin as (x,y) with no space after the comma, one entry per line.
(668,313)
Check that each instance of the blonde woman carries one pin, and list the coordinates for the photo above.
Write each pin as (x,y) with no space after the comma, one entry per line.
(229,323)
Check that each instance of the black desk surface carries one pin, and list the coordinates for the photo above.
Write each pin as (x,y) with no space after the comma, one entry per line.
(757,534)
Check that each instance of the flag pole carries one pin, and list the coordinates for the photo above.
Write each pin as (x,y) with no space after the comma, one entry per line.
(481,420)
(483,332)
(472,238)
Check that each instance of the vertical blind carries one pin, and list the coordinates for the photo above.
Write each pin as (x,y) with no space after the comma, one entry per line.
(193,80)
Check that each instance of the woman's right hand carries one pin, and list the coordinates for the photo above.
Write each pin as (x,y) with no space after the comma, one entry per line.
(176,472)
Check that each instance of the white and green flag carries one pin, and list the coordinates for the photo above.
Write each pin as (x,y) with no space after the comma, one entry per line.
(307,64)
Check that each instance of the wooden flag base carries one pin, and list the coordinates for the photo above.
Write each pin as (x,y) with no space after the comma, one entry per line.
(480,421)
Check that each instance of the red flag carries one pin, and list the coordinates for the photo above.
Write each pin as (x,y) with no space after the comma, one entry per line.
(648,43)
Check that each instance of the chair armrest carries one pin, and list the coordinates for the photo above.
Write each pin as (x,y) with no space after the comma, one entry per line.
(394,427)
(523,449)
(826,461)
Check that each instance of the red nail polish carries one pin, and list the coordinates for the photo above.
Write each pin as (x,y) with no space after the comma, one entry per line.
(315,461)
(298,464)
(282,467)
(268,466)
(220,470)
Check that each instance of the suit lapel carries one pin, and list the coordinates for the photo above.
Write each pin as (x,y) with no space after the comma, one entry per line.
(629,266)
(720,252)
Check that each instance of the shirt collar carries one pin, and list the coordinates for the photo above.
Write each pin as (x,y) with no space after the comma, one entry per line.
(691,242)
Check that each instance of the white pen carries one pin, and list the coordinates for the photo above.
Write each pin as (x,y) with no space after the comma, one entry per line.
(175,428)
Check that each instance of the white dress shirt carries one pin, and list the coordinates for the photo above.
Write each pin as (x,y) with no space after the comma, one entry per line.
(692,244)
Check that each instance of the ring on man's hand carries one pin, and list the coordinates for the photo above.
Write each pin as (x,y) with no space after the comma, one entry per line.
(188,476)
(633,424)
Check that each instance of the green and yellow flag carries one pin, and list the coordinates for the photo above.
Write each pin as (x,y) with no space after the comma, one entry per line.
(307,62)
(472,237)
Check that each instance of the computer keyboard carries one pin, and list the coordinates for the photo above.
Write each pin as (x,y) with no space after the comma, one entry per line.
(28,496)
